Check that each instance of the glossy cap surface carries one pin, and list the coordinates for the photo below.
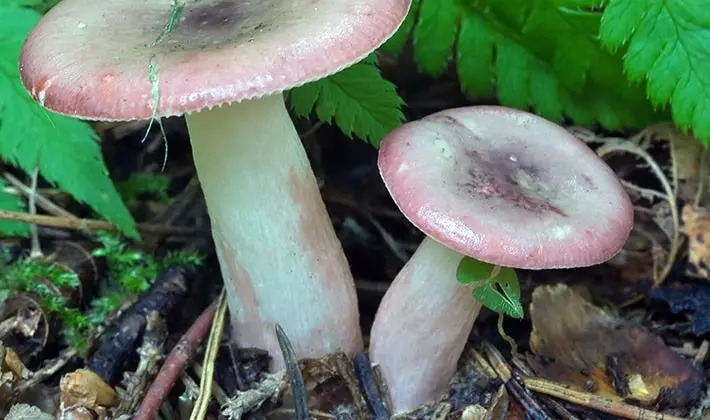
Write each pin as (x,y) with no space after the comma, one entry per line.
(95,60)
(506,187)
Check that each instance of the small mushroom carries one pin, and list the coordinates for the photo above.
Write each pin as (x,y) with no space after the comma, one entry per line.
(224,64)
(499,185)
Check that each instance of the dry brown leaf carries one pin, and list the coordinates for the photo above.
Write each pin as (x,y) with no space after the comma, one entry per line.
(581,345)
(85,388)
(697,227)
(13,363)
(331,382)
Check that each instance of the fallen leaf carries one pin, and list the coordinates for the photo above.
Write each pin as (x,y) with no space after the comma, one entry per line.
(85,388)
(696,225)
(582,346)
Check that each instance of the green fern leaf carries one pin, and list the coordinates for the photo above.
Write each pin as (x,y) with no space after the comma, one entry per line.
(541,55)
(395,44)
(668,45)
(357,99)
(438,20)
(64,149)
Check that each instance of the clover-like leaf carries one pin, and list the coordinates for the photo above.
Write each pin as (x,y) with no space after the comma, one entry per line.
(499,294)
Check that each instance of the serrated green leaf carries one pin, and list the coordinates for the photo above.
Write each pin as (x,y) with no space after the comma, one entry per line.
(499,294)
(64,149)
(514,66)
(545,93)
(11,202)
(435,34)
(475,70)
(358,99)
(396,42)
(668,45)
(540,54)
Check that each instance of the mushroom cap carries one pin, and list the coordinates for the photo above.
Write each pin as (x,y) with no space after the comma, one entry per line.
(95,61)
(506,187)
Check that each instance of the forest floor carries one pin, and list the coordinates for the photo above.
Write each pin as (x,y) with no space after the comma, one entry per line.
(626,339)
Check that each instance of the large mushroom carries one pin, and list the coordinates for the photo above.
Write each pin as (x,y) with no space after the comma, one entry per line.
(224,64)
(502,186)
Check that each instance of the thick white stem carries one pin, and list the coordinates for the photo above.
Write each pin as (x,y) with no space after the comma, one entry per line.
(422,325)
(281,260)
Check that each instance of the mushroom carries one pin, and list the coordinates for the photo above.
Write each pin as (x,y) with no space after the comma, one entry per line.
(503,187)
(224,64)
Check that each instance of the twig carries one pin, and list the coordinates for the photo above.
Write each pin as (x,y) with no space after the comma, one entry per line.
(217,392)
(43,202)
(200,409)
(630,147)
(46,371)
(596,402)
(702,353)
(150,352)
(35,249)
(174,364)
(312,130)
(93,224)
(389,240)
(513,384)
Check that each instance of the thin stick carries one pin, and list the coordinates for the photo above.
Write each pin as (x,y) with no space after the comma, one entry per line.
(93,224)
(43,202)
(627,146)
(596,402)
(49,369)
(174,365)
(200,409)
(35,249)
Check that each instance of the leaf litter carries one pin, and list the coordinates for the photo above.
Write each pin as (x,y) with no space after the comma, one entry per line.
(492,385)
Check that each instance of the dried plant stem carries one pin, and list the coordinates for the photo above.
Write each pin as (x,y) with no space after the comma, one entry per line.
(596,402)
(42,202)
(49,369)
(174,365)
(630,147)
(200,409)
(93,224)
(35,248)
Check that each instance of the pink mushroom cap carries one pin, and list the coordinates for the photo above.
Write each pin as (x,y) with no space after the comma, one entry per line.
(91,60)
(506,187)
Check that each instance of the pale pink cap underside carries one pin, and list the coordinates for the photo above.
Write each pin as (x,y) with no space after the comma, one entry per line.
(438,171)
(91,60)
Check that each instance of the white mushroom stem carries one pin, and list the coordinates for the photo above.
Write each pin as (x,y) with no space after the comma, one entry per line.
(422,325)
(280,258)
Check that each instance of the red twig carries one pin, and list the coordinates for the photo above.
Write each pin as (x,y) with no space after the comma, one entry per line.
(174,365)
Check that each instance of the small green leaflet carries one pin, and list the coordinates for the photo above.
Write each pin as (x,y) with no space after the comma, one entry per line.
(358,99)
(542,55)
(499,294)
(65,149)
(668,44)
(11,202)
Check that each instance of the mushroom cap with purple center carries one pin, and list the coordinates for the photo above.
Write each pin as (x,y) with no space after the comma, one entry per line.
(93,60)
(506,187)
